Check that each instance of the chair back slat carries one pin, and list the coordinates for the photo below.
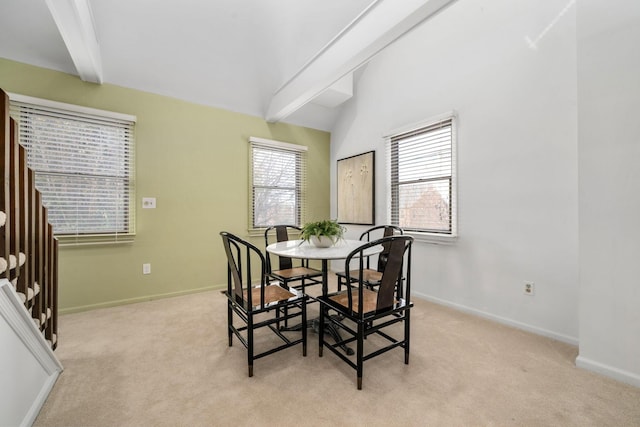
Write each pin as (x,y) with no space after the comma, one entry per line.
(392,273)
(384,255)
(282,235)
(234,280)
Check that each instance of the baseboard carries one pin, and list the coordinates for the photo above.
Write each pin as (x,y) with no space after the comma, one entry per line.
(608,371)
(116,303)
(506,321)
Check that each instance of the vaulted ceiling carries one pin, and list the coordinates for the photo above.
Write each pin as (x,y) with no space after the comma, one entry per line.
(268,58)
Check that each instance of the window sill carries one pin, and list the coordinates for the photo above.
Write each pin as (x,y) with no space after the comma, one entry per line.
(255,232)
(433,238)
(84,240)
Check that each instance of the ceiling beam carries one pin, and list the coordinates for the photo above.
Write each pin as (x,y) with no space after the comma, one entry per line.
(374,29)
(337,93)
(75,23)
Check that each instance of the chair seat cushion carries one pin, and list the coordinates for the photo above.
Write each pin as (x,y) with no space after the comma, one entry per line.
(296,272)
(369,297)
(272,293)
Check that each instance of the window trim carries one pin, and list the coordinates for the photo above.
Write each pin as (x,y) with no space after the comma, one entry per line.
(424,236)
(105,116)
(279,145)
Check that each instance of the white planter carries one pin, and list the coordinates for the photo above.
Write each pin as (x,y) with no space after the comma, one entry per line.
(322,242)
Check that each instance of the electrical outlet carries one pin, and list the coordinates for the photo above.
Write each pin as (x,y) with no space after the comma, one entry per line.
(529,288)
(146,268)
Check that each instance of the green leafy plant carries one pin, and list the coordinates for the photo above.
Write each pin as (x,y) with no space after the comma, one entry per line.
(328,227)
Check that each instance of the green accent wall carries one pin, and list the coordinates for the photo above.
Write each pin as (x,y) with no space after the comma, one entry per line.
(194,160)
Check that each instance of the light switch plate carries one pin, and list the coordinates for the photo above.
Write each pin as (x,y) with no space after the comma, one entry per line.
(148,203)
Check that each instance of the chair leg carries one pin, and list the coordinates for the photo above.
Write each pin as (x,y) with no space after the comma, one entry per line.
(342,281)
(360,353)
(285,310)
(304,328)
(321,329)
(250,344)
(230,323)
(406,336)
(286,327)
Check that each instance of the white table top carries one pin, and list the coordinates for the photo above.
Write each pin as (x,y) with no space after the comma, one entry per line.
(305,250)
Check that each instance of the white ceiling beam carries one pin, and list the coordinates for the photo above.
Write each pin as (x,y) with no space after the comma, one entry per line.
(337,93)
(75,23)
(375,28)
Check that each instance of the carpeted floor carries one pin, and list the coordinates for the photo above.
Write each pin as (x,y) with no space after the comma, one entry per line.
(166,363)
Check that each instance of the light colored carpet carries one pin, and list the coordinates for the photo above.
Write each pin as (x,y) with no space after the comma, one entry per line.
(167,363)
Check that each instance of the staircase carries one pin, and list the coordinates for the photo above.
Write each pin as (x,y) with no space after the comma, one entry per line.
(28,284)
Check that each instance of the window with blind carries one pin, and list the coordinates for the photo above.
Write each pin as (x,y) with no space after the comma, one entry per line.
(83,161)
(278,181)
(422,177)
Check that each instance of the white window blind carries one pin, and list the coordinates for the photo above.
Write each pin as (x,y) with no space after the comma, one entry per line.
(422,178)
(278,183)
(83,161)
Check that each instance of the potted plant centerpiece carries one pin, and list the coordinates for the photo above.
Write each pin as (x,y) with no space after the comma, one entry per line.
(323,233)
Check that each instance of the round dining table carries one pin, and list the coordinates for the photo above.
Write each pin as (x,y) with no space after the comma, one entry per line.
(300,249)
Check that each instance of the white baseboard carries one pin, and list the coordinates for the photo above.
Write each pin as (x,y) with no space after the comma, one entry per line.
(581,362)
(608,371)
(506,321)
(136,300)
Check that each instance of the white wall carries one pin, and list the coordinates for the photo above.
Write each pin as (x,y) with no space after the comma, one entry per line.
(609,187)
(517,154)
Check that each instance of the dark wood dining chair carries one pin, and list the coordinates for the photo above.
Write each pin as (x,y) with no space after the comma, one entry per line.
(248,298)
(372,276)
(364,311)
(297,274)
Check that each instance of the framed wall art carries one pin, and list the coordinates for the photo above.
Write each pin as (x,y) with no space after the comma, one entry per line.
(356,189)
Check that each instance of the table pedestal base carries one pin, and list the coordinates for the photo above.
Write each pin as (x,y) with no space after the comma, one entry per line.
(328,327)
(333,331)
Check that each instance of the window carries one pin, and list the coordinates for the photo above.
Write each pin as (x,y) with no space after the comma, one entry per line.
(422,177)
(83,161)
(278,179)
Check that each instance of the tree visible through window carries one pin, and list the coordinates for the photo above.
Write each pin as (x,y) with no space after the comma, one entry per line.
(277,183)
(422,178)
